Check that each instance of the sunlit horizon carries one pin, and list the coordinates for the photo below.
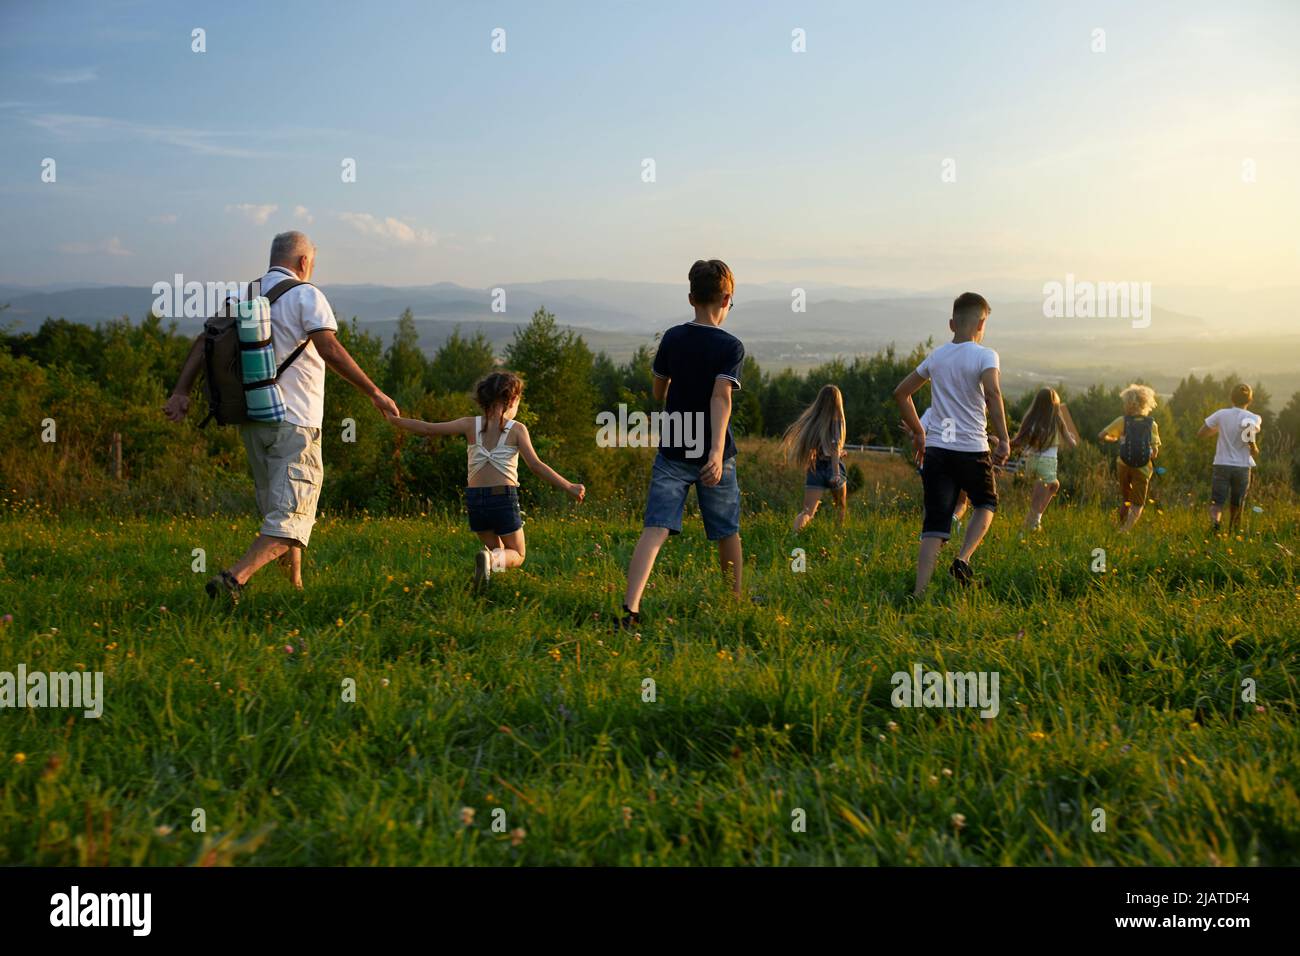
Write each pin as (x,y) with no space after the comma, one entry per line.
(1010,149)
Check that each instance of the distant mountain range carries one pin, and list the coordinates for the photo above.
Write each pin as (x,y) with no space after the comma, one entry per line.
(616,317)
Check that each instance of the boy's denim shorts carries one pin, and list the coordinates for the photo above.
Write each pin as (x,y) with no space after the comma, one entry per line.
(494,509)
(827,473)
(719,504)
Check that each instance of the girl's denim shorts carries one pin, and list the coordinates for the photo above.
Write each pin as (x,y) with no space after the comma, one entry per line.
(494,509)
(827,473)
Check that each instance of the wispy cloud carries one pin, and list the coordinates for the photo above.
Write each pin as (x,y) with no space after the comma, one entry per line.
(303,214)
(253,212)
(388,228)
(167,218)
(75,126)
(105,247)
(85,74)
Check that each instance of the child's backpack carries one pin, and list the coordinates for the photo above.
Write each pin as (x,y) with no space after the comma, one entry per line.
(1135,446)
(234,396)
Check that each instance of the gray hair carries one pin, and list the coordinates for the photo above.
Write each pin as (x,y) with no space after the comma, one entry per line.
(287,247)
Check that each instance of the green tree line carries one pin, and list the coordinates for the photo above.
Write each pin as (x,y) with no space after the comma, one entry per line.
(94,382)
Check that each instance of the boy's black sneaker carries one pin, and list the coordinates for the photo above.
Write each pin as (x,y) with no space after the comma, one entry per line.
(962,572)
(630,620)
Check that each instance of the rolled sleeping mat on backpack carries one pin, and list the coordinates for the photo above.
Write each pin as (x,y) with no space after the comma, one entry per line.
(262,393)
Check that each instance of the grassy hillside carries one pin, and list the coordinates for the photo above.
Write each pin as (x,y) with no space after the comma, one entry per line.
(1119,691)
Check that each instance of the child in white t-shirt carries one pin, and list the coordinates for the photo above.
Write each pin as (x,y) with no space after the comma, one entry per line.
(1233,455)
(952,446)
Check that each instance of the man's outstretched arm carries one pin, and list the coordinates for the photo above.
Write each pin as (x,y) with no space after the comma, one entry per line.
(338,358)
(178,403)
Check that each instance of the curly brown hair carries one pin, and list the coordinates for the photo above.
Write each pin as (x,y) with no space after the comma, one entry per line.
(498,390)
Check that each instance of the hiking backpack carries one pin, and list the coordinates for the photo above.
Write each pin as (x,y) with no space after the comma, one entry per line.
(1135,446)
(223,365)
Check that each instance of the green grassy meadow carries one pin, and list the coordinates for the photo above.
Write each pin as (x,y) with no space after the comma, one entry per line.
(1119,690)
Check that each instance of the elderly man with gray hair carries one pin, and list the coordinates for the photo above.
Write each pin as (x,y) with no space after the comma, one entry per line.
(285,456)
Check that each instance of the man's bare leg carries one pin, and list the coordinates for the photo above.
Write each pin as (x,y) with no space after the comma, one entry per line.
(261,552)
(291,562)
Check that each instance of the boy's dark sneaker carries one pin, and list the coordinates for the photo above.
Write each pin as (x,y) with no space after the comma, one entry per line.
(630,620)
(962,572)
(224,583)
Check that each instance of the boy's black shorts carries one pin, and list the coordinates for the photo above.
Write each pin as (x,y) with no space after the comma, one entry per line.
(944,475)
(1231,485)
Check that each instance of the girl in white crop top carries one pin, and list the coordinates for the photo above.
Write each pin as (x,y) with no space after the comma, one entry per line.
(1046,425)
(496,442)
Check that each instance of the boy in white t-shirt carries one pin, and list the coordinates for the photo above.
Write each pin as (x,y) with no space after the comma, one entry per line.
(1233,455)
(952,445)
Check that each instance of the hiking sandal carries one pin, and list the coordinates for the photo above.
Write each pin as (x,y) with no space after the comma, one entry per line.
(224,583)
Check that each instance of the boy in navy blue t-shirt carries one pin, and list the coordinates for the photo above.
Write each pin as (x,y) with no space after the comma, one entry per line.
(696,368)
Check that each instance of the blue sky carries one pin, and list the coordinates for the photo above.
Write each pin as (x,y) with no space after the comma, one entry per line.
(484,168)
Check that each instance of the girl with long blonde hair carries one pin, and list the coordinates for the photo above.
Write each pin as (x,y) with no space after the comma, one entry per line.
(815,442)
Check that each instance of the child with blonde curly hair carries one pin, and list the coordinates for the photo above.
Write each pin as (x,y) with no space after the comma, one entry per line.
(1139,444)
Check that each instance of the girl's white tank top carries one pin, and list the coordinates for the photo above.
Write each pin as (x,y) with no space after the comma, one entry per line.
(504,458)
